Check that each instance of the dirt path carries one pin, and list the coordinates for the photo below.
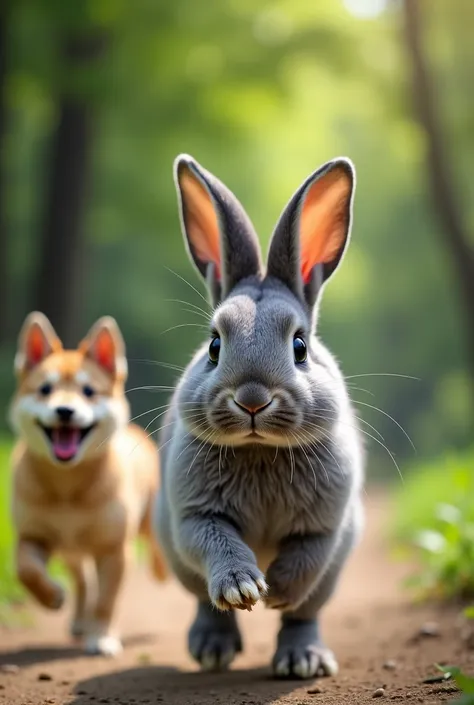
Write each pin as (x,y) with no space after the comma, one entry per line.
(367,624)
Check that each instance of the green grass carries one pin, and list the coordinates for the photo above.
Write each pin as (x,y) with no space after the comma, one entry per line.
(434,519)
(12,595)
(10,591)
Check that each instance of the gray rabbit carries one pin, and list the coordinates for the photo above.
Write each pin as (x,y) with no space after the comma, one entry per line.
(261,456)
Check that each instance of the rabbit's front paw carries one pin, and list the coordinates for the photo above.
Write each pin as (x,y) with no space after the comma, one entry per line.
(237,588)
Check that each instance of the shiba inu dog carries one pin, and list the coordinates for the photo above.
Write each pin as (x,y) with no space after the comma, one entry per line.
(83,477)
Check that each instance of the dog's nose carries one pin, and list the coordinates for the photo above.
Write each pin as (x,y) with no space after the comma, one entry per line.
(64,413)
(253,398)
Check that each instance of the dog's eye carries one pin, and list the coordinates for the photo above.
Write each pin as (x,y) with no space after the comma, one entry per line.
(88,391)
(299,350)
(214,349)
(46,389)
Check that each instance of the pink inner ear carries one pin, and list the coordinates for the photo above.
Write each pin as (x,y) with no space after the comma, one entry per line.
(202,224)
(35,346)
(322,221)
(103,351)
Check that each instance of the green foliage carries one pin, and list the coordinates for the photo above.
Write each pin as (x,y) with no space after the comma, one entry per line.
(465,684)
(10,591)
(435,518)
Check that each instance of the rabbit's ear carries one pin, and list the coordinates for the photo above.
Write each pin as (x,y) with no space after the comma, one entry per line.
(313,231)
(220,237)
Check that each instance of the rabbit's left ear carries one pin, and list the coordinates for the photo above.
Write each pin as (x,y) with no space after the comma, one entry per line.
(313,231)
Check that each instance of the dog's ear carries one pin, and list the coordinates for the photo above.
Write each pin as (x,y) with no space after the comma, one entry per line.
(104,345)
(36,341)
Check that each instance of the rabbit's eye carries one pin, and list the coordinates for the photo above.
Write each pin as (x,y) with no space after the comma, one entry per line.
(299,349)
(214,349)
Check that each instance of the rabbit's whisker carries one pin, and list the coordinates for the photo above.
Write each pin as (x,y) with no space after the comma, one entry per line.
(307,458)
(184,325)
(292,461)
(167,365)
(188,303)
(384,374)
(151,388)
(376,408)
(313,447)
(203,443)
(335,417)
(219,464)
(189,284)
(192,441)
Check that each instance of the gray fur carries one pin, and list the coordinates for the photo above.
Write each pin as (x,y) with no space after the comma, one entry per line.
(272,517)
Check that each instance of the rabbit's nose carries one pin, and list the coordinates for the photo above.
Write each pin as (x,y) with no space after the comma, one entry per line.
(252,398)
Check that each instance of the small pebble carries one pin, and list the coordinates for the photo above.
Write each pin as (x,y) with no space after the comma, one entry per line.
(390,665)
(430,629)
(45,677)
(379,693)
(315,690)
(10,668)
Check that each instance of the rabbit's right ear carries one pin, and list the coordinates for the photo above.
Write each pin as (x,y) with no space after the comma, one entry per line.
(219,235)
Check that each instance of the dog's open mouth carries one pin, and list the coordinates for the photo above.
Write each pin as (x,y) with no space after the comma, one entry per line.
(66,440)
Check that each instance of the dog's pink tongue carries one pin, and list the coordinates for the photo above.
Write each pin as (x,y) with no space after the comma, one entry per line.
(66,442)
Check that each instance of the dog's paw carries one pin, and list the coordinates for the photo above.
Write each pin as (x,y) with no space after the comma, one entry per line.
(305,661)
(237,588)
(78,628)
(102,645)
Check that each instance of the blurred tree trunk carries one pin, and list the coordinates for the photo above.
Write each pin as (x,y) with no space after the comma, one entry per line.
(443,189)
(57,291)
(4,272)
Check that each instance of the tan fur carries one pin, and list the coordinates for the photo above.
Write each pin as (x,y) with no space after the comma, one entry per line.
(89,512)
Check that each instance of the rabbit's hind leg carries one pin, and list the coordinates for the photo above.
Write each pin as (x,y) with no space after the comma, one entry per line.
(300,651)
(214,638)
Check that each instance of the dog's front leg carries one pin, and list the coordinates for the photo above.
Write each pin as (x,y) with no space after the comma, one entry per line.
(111,566)
(31,566)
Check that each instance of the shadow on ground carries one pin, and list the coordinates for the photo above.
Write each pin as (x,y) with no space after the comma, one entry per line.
(34,655)
(161,684)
